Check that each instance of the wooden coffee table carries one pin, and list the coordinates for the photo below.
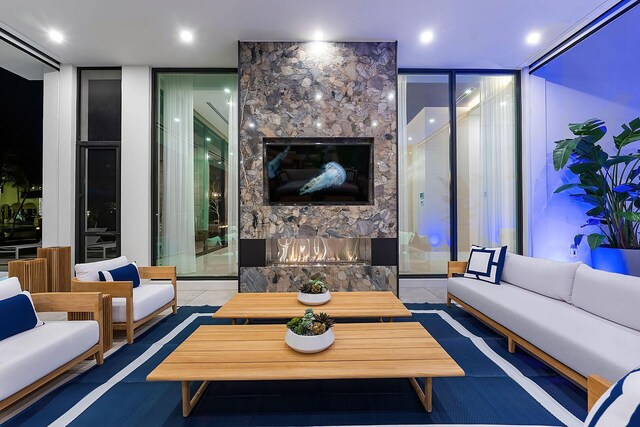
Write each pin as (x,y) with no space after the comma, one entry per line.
(259,353)
(285,305)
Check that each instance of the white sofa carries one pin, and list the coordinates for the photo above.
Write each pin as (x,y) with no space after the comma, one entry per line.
(34,357)
(585,319)
(132,307)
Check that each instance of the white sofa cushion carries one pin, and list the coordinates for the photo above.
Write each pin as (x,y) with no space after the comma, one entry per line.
(9,287)
(30,355)
(147,298)
(543,276)
(613,296)
(88,272)
(586,343)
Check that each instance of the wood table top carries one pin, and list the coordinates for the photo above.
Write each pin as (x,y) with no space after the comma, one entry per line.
(285,305)
(259,352)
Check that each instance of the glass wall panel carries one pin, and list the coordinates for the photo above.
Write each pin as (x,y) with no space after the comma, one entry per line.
(486,162)
(424,192)
(196,137)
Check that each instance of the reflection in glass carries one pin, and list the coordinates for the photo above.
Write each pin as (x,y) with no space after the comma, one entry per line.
(197,174)
(425,184)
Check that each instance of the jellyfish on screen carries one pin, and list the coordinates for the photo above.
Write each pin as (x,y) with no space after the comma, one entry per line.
(331,175)
(274,164)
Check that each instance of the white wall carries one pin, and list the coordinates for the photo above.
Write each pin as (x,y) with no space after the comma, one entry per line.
(136,164)
(59,158)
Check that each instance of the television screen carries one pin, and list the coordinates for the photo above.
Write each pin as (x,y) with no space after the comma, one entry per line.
(318,171)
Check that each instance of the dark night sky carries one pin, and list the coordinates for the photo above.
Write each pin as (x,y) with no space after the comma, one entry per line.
(21,123)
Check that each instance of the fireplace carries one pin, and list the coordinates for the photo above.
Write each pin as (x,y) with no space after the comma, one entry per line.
(318,251)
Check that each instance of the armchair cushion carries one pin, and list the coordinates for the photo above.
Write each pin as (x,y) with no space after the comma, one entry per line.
(16,315)
(147,298)
(126,273)
(9,287)
(29,356)
(88,272)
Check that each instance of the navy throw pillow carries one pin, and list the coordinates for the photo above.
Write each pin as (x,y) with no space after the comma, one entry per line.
(16,315)
(126,273)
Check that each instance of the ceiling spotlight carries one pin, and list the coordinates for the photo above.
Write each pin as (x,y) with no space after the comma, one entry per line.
(208,139)
(426,37)
(534,38)
(374,124)
(410,139)
(252,125)
(318,124)
(390,97)
(318,96)
(56,36)
(432,120)
(186,36)
(227,90)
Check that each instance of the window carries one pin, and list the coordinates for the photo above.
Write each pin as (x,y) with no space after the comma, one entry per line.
(461,182)
(196,183)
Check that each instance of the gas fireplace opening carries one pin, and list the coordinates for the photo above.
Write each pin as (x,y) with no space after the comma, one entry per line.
(318,251)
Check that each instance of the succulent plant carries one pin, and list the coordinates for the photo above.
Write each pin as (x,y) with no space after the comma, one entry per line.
(311,323)
(314,287)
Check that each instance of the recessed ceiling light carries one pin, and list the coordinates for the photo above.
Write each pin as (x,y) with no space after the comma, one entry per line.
(318,96)
(227,90)
(390,97)
(56,36)
(410,139)
(186,36)
(208,139)
(426,37)
(432,120)
(318,124)
(252,125)
(374,124)
(534,38)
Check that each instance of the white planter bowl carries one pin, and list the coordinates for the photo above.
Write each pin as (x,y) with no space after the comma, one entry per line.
(311,343)
(314,299)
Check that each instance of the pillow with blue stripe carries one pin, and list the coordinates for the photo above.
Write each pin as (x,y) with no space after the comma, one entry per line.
(618,406)
(17,315)
(126,273)
(486,264)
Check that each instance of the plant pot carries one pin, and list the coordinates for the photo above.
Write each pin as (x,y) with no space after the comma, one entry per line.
(310,343)
(623,261)
(314,299)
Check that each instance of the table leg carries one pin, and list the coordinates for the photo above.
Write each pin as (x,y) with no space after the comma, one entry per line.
(188,402)
(233,321)
(426,395)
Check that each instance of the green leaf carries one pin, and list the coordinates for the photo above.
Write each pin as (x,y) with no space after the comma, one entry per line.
(620,159)
(630,133)
(630,216)
(582,167)
(562,152)
(578,239)
(596,212)
(595,240)
(590,199)
(565,187)
(593,128)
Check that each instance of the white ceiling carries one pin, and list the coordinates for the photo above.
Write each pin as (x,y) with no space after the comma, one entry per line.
(468,33)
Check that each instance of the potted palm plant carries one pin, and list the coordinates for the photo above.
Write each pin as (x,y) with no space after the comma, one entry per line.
(609,184)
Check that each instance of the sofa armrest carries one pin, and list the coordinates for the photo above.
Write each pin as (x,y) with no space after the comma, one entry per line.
(596,387)
(115,289)
(165,272)
(82,302)
(456,267)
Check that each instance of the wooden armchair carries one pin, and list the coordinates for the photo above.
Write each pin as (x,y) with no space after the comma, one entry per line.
(85,302)
(126,290)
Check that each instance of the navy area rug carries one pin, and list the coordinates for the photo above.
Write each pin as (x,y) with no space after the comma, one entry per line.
(499,388)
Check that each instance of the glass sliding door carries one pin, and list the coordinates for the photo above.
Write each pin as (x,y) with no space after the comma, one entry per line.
(424,192)
(486,162)
(196,194)
(468,168)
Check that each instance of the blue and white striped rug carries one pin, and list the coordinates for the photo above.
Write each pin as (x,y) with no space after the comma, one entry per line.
(499,388)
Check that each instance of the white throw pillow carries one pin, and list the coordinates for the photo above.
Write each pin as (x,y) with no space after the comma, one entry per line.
(485,263)
(9,287)
(612,296)
(553,279)
(618,406)
(88,272)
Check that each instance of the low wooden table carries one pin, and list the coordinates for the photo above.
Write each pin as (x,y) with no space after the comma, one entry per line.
(258,352)
(285,305)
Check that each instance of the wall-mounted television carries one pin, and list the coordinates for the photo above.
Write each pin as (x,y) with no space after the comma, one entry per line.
(318,171)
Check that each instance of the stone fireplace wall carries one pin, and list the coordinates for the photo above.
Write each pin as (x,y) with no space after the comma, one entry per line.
(280,83)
